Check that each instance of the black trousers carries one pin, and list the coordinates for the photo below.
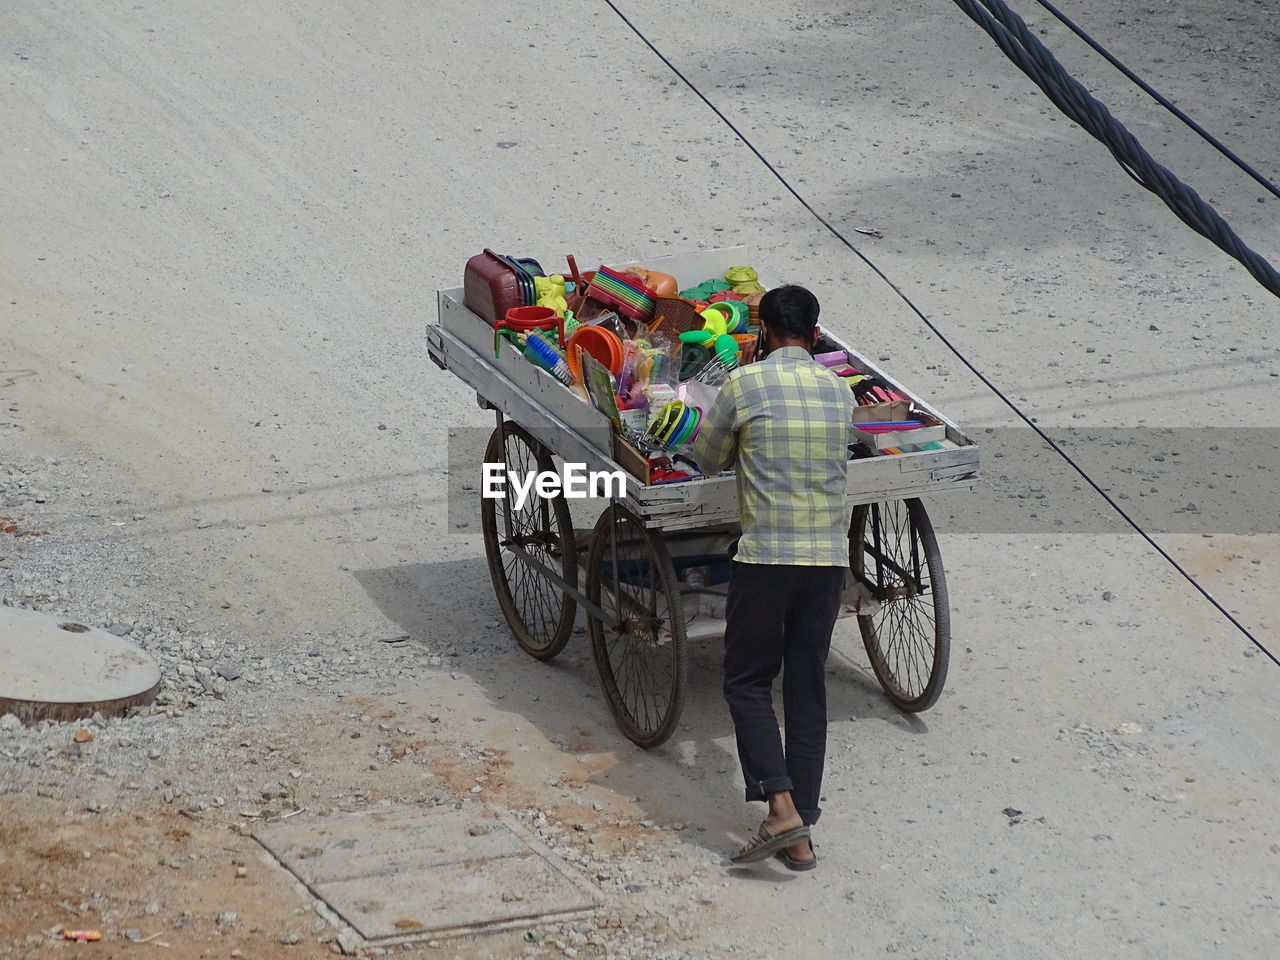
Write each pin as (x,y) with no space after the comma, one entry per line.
(780,619)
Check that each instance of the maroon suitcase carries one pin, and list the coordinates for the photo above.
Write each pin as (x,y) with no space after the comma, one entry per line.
(491,287)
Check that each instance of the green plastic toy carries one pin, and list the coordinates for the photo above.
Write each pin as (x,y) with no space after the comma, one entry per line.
(701,337)
(705,289)
(726,348)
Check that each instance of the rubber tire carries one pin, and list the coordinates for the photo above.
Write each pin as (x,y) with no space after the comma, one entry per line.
(597,554)
(941,611)
(493,552)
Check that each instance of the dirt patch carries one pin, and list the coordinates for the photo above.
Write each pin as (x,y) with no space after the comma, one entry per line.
(155,876)
(14,526)
(1223,557)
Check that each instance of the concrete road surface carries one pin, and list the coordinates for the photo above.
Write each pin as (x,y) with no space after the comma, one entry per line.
(223,227)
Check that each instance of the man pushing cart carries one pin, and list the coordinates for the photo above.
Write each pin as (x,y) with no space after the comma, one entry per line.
(658,552)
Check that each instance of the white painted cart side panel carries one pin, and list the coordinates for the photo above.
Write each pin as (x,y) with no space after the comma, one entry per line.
(518,405)
(477,336)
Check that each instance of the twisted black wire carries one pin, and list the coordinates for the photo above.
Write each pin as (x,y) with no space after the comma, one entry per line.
(1160,98)
(1022,47)
(945,340)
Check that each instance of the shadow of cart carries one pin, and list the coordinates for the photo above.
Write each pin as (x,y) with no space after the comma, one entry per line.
(448,609)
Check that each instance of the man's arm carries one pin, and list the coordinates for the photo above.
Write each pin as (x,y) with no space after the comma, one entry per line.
(716,446)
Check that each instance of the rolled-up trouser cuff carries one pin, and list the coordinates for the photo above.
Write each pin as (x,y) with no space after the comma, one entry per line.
(810,817)
(761,790)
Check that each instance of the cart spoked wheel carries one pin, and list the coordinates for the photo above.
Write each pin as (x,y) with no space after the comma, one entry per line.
(641,655)
(518,542)
(893,550)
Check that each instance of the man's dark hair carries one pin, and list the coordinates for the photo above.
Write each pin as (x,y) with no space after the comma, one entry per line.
(791,311)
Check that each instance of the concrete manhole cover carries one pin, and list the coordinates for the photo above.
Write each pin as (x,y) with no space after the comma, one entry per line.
(58,669)
(412,873)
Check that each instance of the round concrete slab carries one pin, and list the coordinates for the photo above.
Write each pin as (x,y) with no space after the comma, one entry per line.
(57,669)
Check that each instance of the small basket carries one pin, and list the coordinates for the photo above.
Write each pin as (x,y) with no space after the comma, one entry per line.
(680,315)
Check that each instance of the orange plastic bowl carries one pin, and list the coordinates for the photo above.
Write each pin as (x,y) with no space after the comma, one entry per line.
(602,344)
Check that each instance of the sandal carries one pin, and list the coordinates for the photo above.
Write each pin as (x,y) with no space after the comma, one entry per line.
(798,865)
(764,844)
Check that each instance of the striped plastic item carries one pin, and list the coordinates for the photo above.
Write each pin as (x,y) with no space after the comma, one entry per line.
(628,295)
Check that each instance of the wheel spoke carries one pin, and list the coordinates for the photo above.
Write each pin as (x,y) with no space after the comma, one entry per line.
(537,609)
(641,673)
(907,639)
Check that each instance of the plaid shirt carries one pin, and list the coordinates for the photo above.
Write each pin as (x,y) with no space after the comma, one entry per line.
(786,420)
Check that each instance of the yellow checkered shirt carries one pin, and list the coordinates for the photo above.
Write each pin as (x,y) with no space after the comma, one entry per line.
(786,424)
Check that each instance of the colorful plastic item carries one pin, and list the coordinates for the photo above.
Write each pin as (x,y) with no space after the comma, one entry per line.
(662,284)
(689,430)
(659,366)
(660,475)
(664,423)
(525,274)
(525,320)
(746,346)
(705,289)
(726,348)
(743,280)
(601,343)
(674,315)
(539,349)
(715,320)
(735,314)
(609,320)
(632,360)
(625,293)
(675,424)
(492,285)
(701,337)
(551,293)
